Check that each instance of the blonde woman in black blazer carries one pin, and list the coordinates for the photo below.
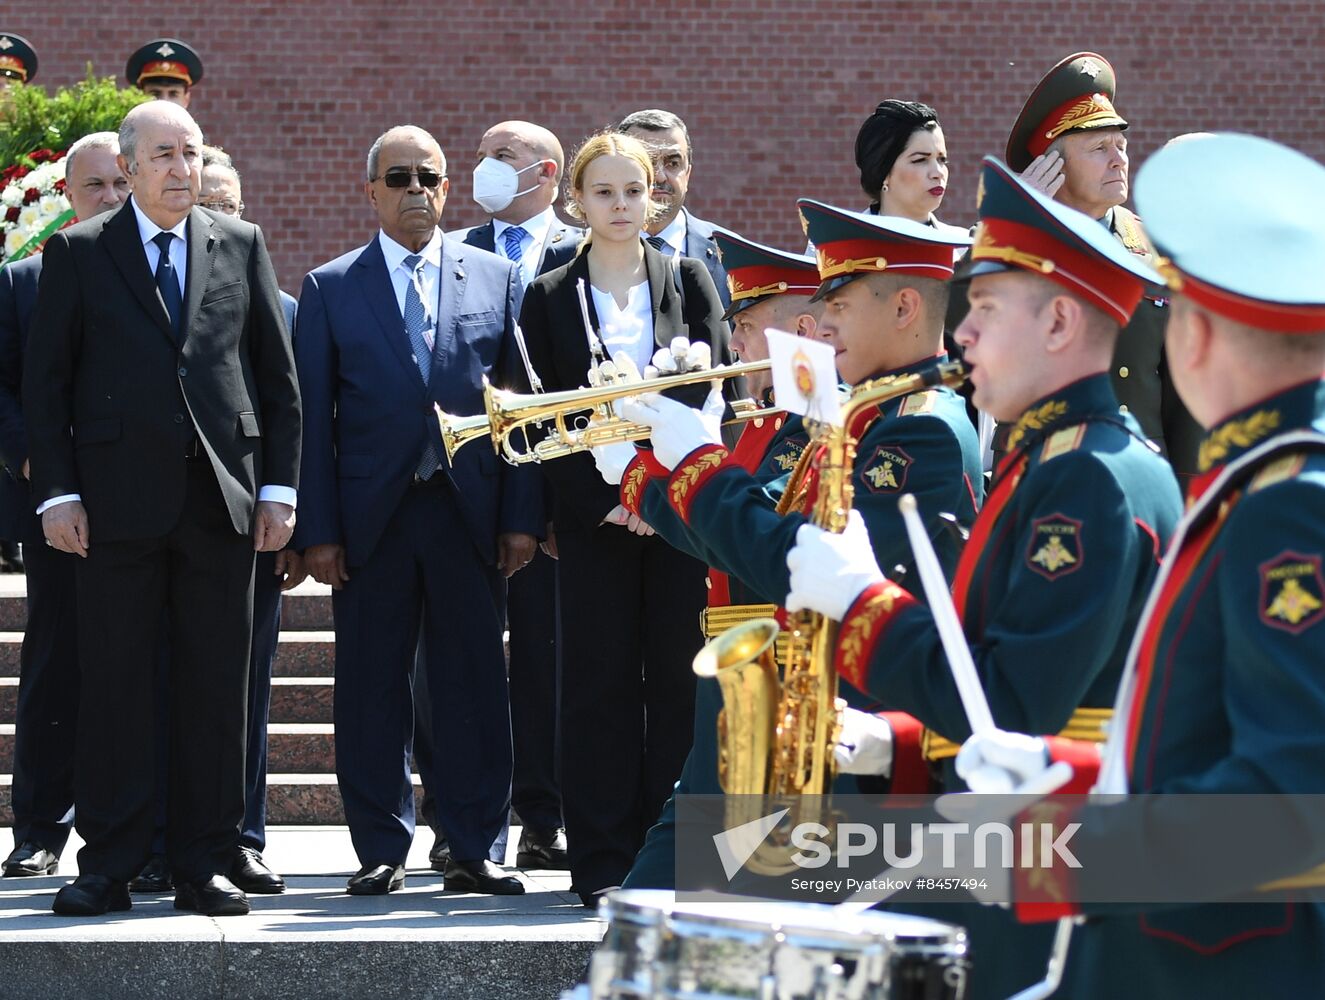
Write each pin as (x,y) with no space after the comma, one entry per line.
(630,603)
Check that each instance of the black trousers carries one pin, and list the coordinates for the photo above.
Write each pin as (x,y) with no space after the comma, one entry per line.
(200,576)
(630,629)
(266,634)
(46,719)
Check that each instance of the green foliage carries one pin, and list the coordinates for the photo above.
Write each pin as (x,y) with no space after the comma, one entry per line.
(32,120)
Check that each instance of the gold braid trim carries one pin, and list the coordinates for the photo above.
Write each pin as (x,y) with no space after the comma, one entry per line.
(1035,420)
(688,474)
(1236,434)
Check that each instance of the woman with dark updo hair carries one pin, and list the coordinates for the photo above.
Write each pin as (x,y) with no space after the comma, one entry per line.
(903,161)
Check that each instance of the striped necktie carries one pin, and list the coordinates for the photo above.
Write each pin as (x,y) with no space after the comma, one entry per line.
(659,244)
(513,237)
(416,321)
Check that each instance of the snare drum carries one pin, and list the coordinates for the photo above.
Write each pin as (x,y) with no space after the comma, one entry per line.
(658,949)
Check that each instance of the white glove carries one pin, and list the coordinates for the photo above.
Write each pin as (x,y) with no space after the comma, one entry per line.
(612,460)
(677,430)
(866,744)
(828,571)
(997,762)
(679,357)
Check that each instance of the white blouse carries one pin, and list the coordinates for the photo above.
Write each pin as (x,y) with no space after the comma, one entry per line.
(626,331)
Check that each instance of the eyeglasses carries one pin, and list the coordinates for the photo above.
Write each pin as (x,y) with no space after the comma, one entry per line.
(400,178)
(224,207)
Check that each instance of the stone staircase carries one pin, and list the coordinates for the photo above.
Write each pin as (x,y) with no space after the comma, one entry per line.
(301,761)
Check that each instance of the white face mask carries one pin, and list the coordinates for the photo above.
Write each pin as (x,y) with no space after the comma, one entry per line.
(496,183)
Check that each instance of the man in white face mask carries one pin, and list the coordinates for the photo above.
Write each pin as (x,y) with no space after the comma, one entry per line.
(516,179)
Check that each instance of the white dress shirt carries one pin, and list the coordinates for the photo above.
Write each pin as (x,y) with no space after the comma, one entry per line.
(674,235)
(179,259)
(427,281)
(626,331)
(536,230)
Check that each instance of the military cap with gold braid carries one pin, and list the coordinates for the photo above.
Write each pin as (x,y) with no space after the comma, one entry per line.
(18,59)
(1251,252)
(164,58)
(1021,228)
(756,272)
(1074,96)
(850,245)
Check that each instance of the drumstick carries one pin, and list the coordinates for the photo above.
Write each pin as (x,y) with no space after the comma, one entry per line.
(945,617)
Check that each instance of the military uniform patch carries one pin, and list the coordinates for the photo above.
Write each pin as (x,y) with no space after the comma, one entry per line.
(1292,592)
(886,470)
(1055,546)
(786,457)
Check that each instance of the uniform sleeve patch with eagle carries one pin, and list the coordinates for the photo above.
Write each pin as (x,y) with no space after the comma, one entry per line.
(1055,546)
(1292,592)
(886,470)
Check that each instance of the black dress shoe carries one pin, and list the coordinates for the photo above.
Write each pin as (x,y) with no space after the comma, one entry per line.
(250,873)
(155,878)
(376,880)
(482,877)
(592,899)
(30,859)
(91,896)
(542,849)
(440,853)
(213,896)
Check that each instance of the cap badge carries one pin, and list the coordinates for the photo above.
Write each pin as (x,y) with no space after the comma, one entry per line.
(1090,68)
(5,43)
(165,51)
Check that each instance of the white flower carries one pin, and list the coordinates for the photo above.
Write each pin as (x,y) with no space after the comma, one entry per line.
(51,205)
(13,240)
(12,195)
(30,217)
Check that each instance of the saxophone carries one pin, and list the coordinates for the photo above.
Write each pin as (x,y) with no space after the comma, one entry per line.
(776,738)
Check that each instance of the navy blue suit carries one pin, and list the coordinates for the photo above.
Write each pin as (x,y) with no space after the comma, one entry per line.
(701,245)
(419,555)
(43,792)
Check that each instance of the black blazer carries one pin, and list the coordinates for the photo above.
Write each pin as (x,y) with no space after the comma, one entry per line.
(103,362)
(701,245)
(559,245)
(559,351)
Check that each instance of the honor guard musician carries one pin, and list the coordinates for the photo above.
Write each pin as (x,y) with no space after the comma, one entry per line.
(769,288)
(18,59)
(1224,691)
(1069,142)
(1053,578)
(883,285)
(165,69)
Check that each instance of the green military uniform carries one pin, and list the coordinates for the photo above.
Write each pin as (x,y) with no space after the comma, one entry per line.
(922,443)
(1224,691)
(1077,95)
(1054,577)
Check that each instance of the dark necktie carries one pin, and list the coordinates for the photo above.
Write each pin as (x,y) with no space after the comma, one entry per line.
(512,237)
(659,244)
(416,322)
(167,281)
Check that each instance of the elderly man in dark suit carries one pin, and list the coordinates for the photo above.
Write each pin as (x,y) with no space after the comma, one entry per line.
(675,231)
(516,181)
(47,714)
(163,413)
(409,541)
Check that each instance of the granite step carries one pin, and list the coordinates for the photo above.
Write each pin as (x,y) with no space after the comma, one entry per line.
(299,699)
(299,653)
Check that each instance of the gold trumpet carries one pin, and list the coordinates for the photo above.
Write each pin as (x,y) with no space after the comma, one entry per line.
(506,413)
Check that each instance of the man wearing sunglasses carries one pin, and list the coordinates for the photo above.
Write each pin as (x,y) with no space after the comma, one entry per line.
(411,543)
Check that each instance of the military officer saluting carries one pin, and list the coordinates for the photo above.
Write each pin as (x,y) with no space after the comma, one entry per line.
(18,59)
(165,69)
(769,288)
(1069,141)
(1053,578)
(1224,691)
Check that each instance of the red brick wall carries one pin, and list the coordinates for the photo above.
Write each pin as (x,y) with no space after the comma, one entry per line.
(773,91)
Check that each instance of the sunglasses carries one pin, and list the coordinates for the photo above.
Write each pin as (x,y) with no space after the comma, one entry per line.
(400,178)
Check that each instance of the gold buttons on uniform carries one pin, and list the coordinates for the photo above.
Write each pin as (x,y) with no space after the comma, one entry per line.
(1123,372)
(708,583)
(759,421)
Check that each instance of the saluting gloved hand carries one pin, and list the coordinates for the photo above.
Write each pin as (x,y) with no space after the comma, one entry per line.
(997,762)
(677,429)
(866,744)
(828,571)
(612,460)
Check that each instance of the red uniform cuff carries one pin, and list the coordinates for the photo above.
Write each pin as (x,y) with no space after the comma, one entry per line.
(1046,889)
(910,770)
(863,627)
(689,477)
(1084,758)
